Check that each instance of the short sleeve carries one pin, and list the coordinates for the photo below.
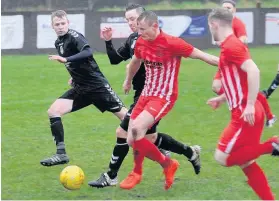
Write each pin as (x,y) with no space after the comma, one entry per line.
(137,50)
(239,29)
(237,55)
(181,48)
(79,41)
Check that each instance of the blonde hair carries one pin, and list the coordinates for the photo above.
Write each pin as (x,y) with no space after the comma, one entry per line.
(221,14)
(59,14)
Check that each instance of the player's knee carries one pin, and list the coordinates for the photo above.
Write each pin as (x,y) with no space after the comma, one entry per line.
(220,158)
(122,113)
(121,133)
(247,164)
(135,130)
(54,112)
(130,141)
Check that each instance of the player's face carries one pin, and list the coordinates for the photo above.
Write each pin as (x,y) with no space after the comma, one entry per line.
(229,6)
(147,31)
(131,17)
(60,25)
(213,26)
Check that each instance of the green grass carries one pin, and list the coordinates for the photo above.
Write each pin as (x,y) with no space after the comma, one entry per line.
(186,5)
(31,83)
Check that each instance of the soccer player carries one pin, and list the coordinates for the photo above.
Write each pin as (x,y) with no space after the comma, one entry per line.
(89,84)
(239,31)
(239,144)
(274,85)
(162,141)
(161,55)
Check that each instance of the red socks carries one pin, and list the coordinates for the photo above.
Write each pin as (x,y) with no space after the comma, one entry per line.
(258,181)
(144,148)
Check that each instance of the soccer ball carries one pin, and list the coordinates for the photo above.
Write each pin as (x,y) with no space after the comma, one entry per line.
(72,177)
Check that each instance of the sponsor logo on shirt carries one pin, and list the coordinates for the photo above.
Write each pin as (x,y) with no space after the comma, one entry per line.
(152,64)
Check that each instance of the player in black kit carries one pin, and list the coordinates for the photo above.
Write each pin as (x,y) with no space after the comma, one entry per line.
(274,85)
(161,140)
(89,85)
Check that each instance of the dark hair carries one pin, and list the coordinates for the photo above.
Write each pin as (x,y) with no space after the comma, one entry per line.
(59,14)
(229,1)
(148,16)
(221,14)
(140,9)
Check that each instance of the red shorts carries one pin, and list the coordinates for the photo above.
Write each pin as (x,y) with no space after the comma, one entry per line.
(239,133)
(217,76)
(156,106)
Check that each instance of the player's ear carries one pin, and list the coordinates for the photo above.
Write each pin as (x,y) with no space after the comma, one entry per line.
(214,24)
(68,21)
(155,25)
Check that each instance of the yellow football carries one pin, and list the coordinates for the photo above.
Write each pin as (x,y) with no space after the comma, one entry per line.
(72,177)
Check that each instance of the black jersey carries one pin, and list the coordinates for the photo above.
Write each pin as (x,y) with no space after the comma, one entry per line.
(125,52)
(84,72)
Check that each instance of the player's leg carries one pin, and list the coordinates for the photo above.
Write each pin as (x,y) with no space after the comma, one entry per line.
(139,124)
(256,177)
(271,119)
(70,101)
(166,142)
(119,153)
(257,180)
(120,150)
(217,84)
(245,145)
(273,86)
(239,137)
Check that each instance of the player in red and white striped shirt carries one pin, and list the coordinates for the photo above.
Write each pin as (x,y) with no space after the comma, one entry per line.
(239,31)
(161,54)
(239,143)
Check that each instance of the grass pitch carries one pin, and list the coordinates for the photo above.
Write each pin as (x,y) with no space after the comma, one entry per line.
(31,83)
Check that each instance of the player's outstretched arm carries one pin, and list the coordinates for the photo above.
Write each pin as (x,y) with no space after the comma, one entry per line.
(86,52)
(253,76)
(208,58)
(132,68)
(115,56)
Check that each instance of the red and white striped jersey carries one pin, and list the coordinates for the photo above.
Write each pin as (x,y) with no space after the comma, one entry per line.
(234,80)
(162,58)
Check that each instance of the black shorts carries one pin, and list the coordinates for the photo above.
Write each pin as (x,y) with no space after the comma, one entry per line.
(104,98)
(125,122)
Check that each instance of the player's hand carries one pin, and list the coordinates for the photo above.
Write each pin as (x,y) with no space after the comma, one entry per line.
(127,86)
(57,58)
(107,33)
(249,114)
(215,102)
